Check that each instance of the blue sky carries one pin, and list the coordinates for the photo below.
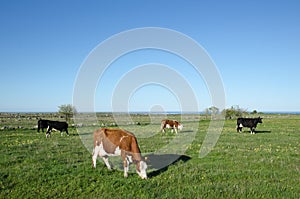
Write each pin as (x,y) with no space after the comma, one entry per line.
(254,44)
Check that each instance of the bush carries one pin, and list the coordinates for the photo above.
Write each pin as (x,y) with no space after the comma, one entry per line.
(67,110)
(233,112)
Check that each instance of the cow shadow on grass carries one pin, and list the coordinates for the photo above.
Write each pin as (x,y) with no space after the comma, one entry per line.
(259,132)
(186,131)
(161,162)
(263,131)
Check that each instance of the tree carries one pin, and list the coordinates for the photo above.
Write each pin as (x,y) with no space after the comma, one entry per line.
(67,110)
(254,112)
(233,112)
(211,111)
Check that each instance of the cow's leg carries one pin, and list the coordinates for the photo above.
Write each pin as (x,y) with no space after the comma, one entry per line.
(126,167)
(162,128)
(96,151)
(126,161)
(105,159)
(239,129)
(67,132)
(48,132)
(176,130)
(252,130)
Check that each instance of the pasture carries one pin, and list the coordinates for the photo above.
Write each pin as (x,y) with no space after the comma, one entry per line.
(241,165)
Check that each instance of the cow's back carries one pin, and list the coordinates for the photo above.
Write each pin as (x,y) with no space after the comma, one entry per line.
(165,122)
(43,123)
(113,138)
(58,124)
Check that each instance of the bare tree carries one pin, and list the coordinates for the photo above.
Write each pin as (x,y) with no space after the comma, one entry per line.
(67,110)
(211,111)
(234,112)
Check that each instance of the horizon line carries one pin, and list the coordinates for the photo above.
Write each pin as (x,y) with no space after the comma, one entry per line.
(157,112)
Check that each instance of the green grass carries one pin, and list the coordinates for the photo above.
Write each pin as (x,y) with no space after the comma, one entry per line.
(241,165)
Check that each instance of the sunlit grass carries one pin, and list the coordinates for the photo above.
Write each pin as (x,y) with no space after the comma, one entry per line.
(241,165)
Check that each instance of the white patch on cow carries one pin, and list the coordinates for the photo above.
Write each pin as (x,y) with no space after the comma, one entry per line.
(123,138)
(126,169)
(241,126)
(105,159)
(129,158)
(96,152)
(168,126)
(101,151)
(117,151)
(143,167)
(95,155)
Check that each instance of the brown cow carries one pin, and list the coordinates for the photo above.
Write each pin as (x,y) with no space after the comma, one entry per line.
(173,124)
(117,142)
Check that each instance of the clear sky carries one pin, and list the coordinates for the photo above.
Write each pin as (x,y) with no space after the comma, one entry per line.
(254,44)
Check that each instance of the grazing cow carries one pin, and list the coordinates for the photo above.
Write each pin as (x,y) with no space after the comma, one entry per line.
(248,122)
(173,124)
(117,142)
(42,124)
(56,125)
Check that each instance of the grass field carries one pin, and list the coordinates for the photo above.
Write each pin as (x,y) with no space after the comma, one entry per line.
(264,165)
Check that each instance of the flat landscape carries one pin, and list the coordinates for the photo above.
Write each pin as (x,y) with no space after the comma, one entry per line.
(241,165)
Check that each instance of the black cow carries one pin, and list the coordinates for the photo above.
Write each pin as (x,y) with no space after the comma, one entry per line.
(42,124)
(52,125)
(247,122)
(56,125)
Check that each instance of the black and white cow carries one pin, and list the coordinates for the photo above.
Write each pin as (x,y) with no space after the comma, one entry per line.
(248,122)
(56,125)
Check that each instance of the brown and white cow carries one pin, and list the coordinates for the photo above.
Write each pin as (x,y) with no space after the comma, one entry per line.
(173,124)
(117,142)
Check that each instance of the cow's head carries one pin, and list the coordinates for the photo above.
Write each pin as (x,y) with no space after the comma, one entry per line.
(141,168)
(180,126)
(259,120)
